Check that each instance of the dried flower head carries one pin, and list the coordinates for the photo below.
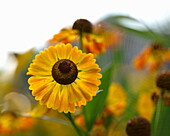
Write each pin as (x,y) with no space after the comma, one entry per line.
(166,98)
(155,95)
(163,81)
(83,25)
(138,126)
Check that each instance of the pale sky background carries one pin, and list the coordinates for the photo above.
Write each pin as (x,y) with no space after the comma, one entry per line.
(30,23)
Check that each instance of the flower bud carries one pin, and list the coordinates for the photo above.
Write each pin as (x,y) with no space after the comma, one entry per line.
(163,81)
(83,25)
(166,99)
(138,126)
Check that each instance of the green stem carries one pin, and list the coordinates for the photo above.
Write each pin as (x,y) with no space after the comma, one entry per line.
(78,130)
(81,40)
(157,118)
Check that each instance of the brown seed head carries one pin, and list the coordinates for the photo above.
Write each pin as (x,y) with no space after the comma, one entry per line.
(156,46)
(64,71)
(83,25)
(155,97)
(166,98)
(163,81)
(138,126)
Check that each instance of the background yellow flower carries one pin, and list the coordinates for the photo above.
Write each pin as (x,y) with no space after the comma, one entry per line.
(116,99)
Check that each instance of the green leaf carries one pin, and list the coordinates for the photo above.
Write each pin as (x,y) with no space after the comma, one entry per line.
(146,31)
(161,125)
(95,107)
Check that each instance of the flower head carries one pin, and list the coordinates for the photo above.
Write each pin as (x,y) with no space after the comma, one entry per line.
(66,35)
(93,44)
(163,81)
(113,36)
(83,25)
(64,77)
(82,28)
(138,126)
(145,105)
(152,57)
(166,98)
(116,100)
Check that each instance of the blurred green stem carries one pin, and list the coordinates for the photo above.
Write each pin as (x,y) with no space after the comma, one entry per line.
(158,111)
(81,40)
(78,130)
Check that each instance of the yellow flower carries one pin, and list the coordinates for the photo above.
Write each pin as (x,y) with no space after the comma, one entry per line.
(39,110)
(145,105)
(116,100)
(64,77)
(11,123)
(152,57)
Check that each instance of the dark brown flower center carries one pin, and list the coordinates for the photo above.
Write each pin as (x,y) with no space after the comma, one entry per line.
(163,81)
(64,67)
(64,71)
(83,25)
(138,126)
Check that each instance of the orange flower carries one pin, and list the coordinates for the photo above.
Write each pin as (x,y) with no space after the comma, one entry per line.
(11,123)
(80,121)
(91,43)
(98,127)
(66,35)
(112,35)
(152,57)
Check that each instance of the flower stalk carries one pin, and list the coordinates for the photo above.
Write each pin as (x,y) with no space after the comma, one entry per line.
(78,130)
(81,40)
(158,112)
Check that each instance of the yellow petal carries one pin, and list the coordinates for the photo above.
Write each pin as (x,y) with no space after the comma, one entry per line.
(92,80)
(94,69)
(75,55)
(68,49)
(60,50)
(41,93)
(37,72)
(86,59)
(54,101)
(42,59)
(45,57)
(64,104)
(74,94)
(89,88)
(84,90)
(52,52)
(38,81)
(36,67)
(89,75)
(46,97)
(80,103)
